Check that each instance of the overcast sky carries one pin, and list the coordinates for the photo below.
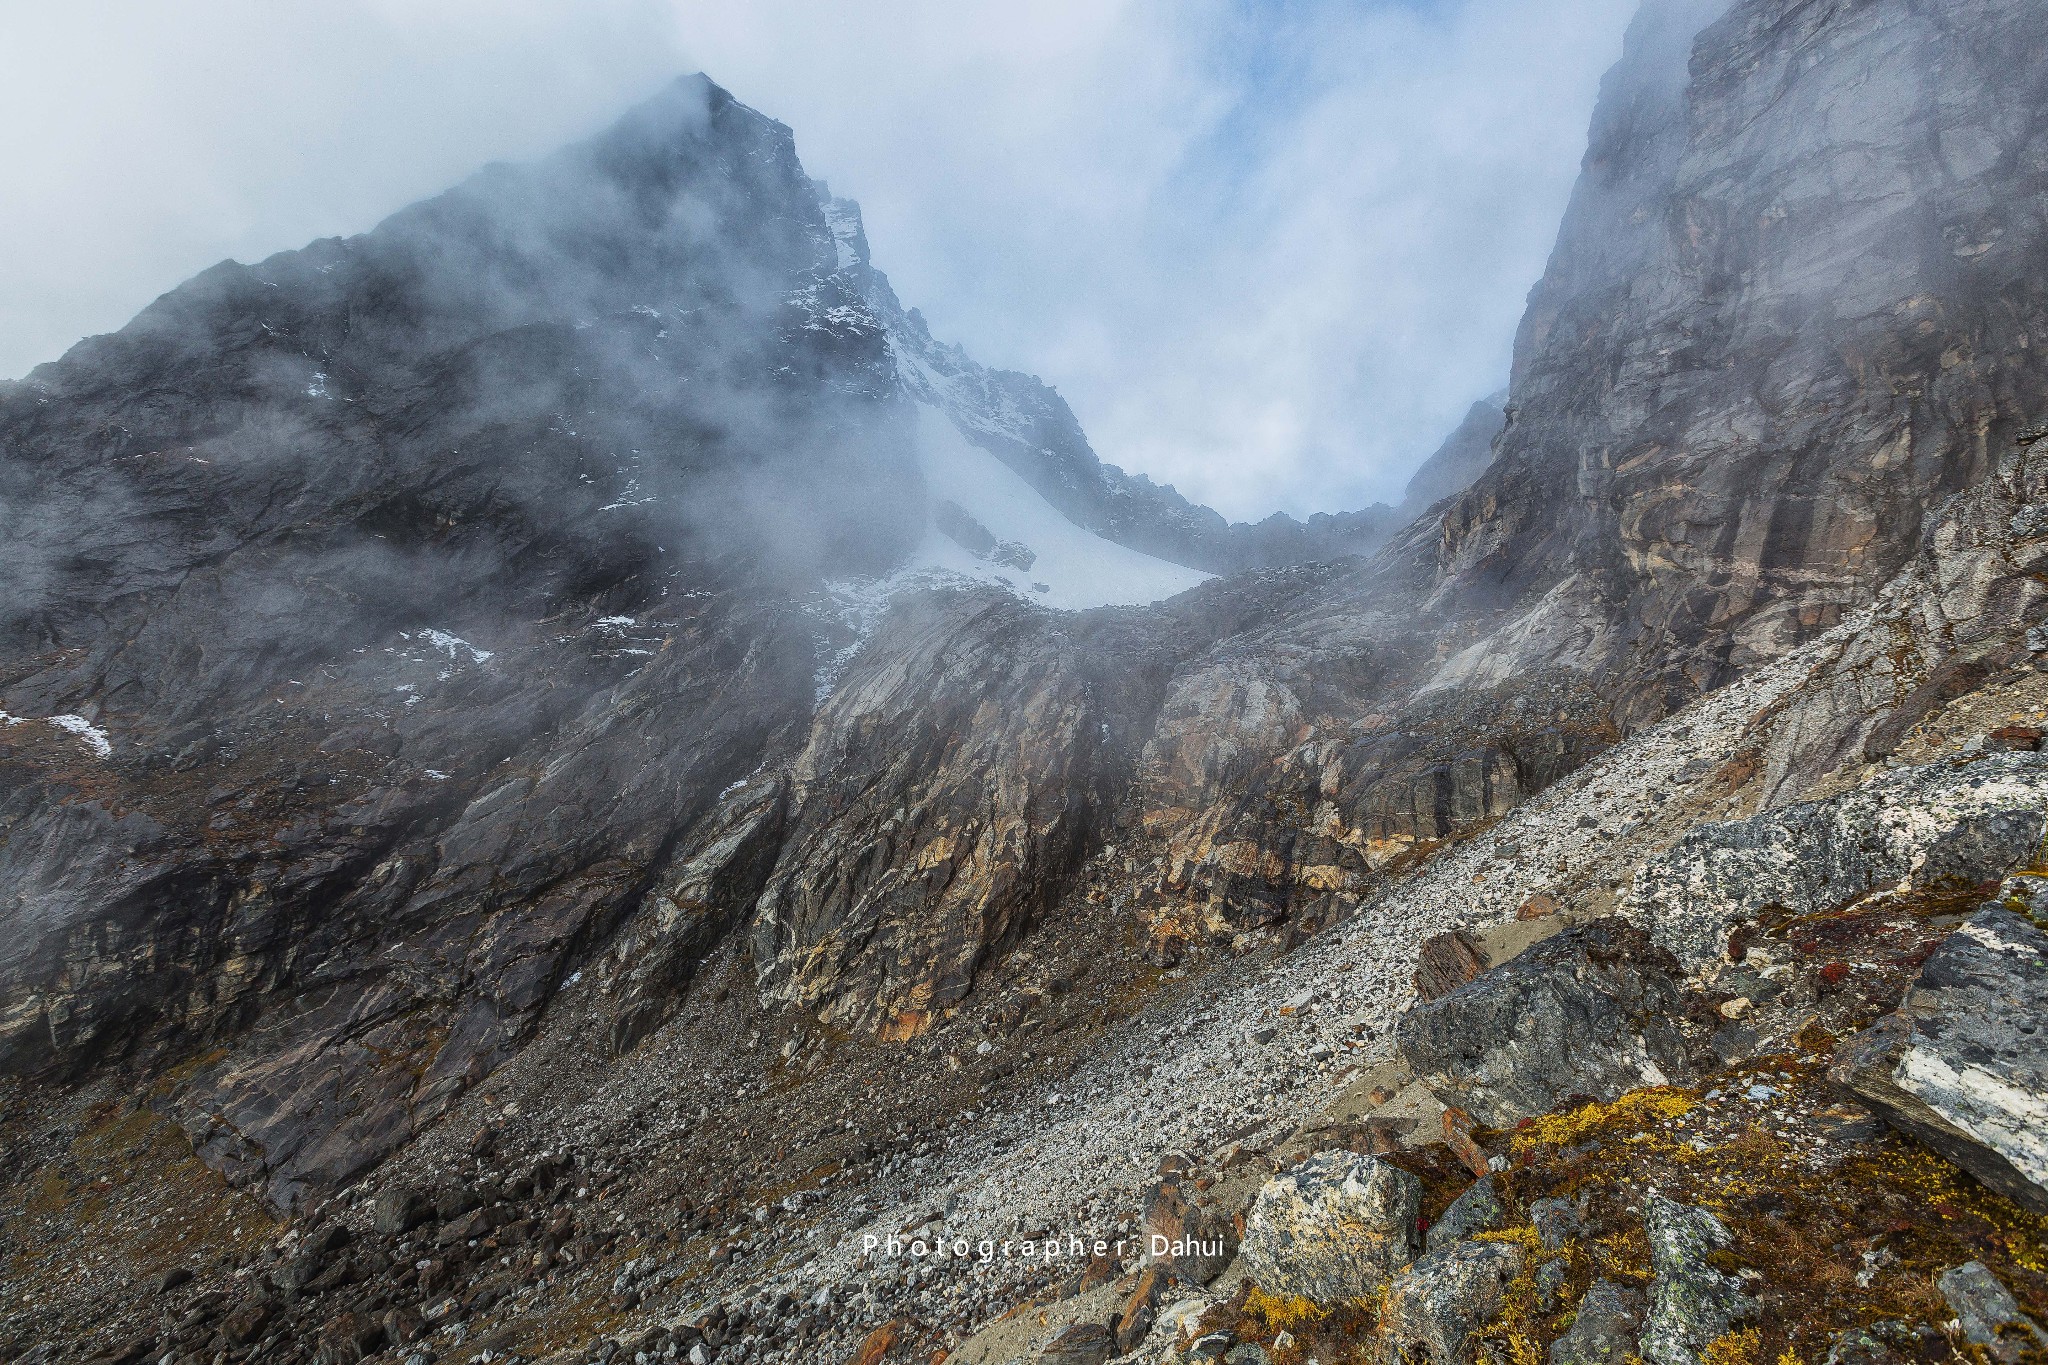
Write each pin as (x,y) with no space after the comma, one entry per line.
(1270,250)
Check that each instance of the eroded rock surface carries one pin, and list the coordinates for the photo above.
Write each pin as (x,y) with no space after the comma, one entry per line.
(1591,1011)
(1963,1064)
(1949,824)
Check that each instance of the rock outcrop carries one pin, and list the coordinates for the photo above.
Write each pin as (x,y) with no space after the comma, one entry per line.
(1953,824)
(1590,1012)
(1963,1065)
(1333,1229)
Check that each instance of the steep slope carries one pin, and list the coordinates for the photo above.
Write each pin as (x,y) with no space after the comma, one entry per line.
(1797,300)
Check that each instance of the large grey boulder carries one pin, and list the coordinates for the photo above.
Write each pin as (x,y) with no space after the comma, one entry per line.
(1963,1063)
(1947,823)
(1691,1303)
(1603,1331)
(1590,1011)
(1336,1227)
(1440,1301)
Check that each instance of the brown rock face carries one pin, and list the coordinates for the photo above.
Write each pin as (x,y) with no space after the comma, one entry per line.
(1766,344)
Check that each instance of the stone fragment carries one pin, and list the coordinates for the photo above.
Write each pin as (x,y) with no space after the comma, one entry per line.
(1334,1228)
(1556,1221)
(1589,1011)
(1604,1330)
(1438,1302)
(399,1210)
(1446,962)
(1458,1128)
(1691,1303)
(1943,824)
(1963,1063)
(1141,1308)
(1989,1315)
(1476,1210)
(1083,1343)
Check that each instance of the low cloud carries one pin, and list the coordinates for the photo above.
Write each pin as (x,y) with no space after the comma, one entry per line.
(1269,249)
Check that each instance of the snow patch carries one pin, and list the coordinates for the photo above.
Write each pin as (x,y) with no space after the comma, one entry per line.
(94,737)
(454,646)
(1074,569)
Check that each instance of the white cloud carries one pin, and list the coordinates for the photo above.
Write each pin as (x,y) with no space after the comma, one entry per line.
(1269,249)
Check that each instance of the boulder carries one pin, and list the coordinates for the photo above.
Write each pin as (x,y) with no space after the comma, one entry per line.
(1187,1233)
(1476,1210)
(1603,1332)
(1963,1063)
(1437,1303)
(1989,1315)
(1446,962)
(398,1210)
(1885,1342)
(1336,1227)
(1691,1303)
(1943,824)
(1589,1011)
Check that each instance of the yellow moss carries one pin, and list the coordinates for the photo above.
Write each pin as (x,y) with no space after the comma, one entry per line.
(1633,1112)
(1281,1312)
(1745,1347)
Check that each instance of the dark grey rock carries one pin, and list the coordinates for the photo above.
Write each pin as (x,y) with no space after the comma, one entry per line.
(1438,1302)
(1990,1316)
(1604,1328)
(1963,1063)
(400,1209)
(1691,1303)
(1476,1210)
(1589,1011)
(1943,824)
(1556,1221)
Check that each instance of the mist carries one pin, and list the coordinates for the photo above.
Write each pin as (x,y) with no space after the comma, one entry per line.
(1269,252)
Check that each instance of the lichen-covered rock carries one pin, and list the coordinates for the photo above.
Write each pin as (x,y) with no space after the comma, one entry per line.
(1437,1303)
(1946,823)
(1476,1210)
(1603,1332)
(1691,1303)
(1963,1063)
(1587,1012)
(1556,1221)
(1989,1315)
(1334,1228)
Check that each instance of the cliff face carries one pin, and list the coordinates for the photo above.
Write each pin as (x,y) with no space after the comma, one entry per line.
(1796,301)
(409,625)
